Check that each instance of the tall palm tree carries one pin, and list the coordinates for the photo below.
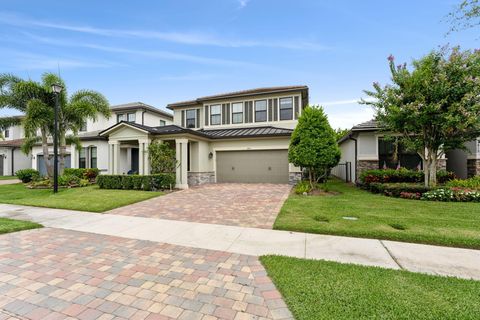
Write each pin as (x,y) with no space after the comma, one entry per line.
(37,101)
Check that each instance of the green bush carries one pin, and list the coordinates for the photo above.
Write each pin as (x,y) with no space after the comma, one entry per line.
(452,195)
(302,187)
(27,175)
(137,182)
(69,180)
(403,190)
(82,173)
(472,183)
(401,175)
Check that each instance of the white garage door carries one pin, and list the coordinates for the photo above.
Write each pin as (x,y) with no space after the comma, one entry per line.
(253,166)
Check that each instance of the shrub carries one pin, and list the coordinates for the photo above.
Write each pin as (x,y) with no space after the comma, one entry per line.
(74,172)
(302,187)
(452,195)
(88,174)
(472,183)
(401,175)
(396,189)
(137,182)
(69,180)
(27,175)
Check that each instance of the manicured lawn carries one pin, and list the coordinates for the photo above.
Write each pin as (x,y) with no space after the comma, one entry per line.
(381,217)
(9,225)
(85,199)
(330,290)
(7,177)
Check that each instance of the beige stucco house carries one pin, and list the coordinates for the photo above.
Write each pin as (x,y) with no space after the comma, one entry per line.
(239,136)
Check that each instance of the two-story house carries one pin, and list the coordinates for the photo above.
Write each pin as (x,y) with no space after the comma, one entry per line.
(94,152)
(239,136)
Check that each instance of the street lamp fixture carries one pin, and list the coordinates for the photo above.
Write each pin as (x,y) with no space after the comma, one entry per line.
(56,89)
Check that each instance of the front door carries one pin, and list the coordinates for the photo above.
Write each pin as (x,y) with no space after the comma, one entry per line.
(135,160)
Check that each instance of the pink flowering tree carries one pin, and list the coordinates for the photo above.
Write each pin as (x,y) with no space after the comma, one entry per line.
(435,105)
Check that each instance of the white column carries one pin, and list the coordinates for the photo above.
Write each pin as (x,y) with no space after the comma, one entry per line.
(110,158)
(114,157)
(141,156)
(146,160)
(181,156)
(74,156)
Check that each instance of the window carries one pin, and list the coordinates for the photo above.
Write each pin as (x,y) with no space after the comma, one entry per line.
(215,115)
(237,112)
(286,109)
(391,154)
(261,111)
(120,117)
(162,123)
(83,127)
(131,117)
(82,158)
(93,157)
(191,118)
(7,133)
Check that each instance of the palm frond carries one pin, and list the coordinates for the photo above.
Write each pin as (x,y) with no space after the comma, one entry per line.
(28,144)
(73,140)
(9,122)
(37,115)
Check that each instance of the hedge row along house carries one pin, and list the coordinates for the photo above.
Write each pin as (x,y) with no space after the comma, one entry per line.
(240,136)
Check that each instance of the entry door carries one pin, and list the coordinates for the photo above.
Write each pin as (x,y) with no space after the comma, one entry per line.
(134,155)
(253,166)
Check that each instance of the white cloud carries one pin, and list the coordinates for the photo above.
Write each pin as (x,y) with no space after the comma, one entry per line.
(243,3)
(189,38)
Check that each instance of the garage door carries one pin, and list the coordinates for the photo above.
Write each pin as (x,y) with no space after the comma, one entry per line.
(255,166)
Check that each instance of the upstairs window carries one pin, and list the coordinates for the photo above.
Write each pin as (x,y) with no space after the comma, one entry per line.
(286,109)
(215,114)
(261,111)
(7,133)
(131,117)
(191,118)
(162,123)
(83,127)
(237,112)
(121,117)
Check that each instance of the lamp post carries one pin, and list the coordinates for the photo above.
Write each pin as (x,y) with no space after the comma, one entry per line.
(56,89)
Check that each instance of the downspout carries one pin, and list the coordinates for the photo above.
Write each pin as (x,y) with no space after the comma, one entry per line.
(356,156)
(143,117)
(13,161)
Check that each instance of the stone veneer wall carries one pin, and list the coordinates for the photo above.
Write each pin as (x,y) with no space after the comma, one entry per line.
(364,165)
(198,178)
(294,177)
(473,167)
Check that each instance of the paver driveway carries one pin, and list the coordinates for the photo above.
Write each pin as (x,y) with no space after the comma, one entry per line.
(237,204)
(57,274)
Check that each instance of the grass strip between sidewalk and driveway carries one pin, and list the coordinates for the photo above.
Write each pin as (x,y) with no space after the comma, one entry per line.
(10,225)
(330,290)
(89,198)
(358,213)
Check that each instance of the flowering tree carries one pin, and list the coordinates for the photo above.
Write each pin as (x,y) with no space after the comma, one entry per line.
(435,106)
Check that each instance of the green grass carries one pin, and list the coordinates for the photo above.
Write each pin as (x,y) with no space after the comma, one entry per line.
(329,290)
(381,217)
(84,199)
(9,225)
(8,177)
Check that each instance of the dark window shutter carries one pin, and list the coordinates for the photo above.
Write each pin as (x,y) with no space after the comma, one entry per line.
(270,109)
(206,115)
(198,118)
(183,118)
(227,115)
(224,113)
(275,109)
(245,111)
(250,106)
(297,107)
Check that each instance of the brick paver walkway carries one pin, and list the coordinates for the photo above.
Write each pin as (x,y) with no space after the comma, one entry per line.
(58,274)
(245,205)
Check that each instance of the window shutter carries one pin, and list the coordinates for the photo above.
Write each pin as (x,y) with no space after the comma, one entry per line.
(198,118)
(183,118)
(270,109)
(206,115)
(275,109)
(227,115)
(297,107)
(224,113)
(245,111)
(251,111)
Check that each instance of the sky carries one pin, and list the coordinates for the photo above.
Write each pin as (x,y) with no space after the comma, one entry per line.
(160,52)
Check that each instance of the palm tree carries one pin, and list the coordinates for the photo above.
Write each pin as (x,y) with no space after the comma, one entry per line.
(37,101)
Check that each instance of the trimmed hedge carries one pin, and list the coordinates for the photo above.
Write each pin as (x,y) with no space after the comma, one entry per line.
(401,175)
(137,182)
(397,189)
(27,175)
(82,173)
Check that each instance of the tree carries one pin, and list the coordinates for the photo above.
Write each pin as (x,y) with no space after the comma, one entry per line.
(435,107)
(162,158)
(340,133)
(313,144)
(465,16)
(37,101)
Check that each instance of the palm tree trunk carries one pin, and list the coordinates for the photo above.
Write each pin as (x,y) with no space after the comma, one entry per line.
(63,151)
(46,153)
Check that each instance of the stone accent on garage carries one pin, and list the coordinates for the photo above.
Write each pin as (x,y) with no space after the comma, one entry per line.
(294,178)
(199,178)
(473,167)
(364,165)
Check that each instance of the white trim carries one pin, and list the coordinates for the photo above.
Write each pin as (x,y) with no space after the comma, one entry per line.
(116,126)
(231,112)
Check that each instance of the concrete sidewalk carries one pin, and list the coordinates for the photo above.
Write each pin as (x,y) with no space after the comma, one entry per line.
(464,263)
(9,181)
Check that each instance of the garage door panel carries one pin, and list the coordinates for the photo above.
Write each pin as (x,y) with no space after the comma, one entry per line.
(253,166)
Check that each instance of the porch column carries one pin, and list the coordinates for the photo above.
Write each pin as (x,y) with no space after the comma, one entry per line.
(140,157)
(114,153)
(182,163)
(74,156)
(146,163)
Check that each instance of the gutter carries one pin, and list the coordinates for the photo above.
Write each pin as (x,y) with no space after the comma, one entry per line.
(356,155)
(143,117)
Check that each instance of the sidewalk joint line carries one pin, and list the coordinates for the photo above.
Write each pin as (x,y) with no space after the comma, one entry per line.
(391,255)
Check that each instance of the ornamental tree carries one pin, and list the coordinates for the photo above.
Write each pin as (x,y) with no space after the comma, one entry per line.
(435,106)
(162,157)
(313,144)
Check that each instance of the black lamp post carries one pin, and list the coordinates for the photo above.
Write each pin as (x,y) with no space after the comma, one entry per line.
(56,88)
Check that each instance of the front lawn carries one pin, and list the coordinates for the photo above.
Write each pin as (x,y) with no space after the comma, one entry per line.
(84,199)
(10,225)
(381,217)
(330,290)
(8,177)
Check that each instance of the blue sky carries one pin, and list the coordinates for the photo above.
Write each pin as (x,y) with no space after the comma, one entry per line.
(159,52)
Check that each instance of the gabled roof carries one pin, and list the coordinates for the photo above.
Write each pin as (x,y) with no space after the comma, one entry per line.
(368,125)
(140,105)
(242,93)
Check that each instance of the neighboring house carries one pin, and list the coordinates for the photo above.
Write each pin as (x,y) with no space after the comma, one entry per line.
(364,148)
(466,163)
(94,152)
(240,136)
